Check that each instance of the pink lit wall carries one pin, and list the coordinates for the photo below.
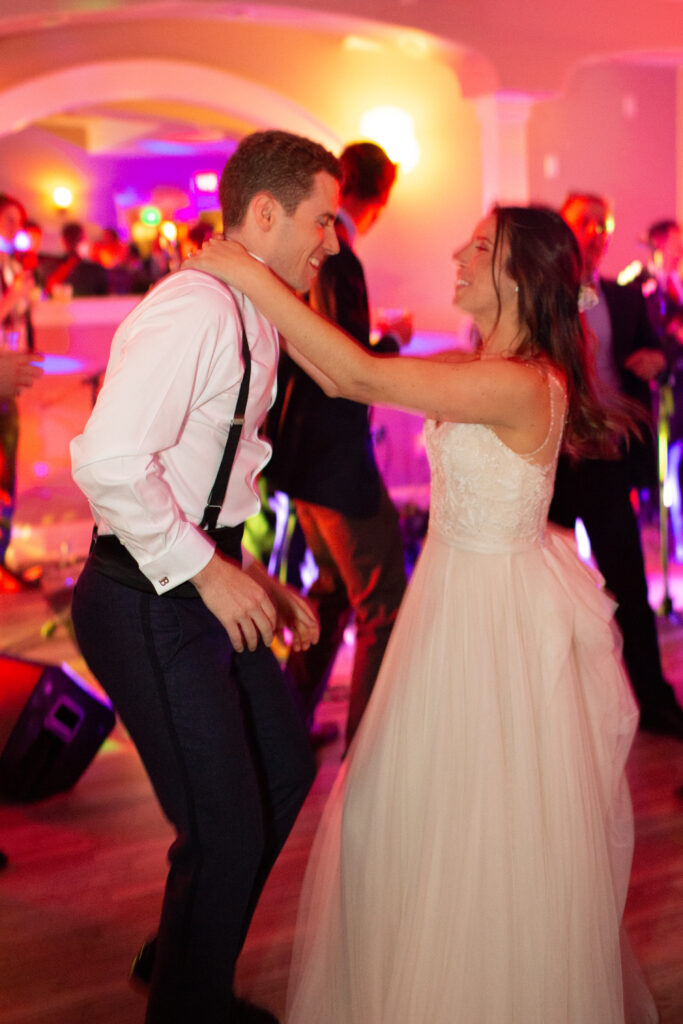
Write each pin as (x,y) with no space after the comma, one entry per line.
(612,132)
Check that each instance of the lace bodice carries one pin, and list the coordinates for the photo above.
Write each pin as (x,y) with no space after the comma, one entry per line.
(484,495)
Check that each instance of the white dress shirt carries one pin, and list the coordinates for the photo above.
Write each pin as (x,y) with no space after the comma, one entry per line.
(149,454)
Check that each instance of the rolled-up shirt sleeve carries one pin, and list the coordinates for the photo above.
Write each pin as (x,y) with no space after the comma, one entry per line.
(148,455)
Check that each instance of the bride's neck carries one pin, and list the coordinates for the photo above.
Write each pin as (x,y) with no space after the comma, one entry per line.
(501,340)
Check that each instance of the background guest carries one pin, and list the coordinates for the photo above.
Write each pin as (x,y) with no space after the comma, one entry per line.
(109,249)
(84,276)
(323,458)
(196,236)
(16,285)
(597,490)
(663,291)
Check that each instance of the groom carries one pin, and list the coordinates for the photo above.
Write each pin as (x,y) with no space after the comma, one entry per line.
(170,622)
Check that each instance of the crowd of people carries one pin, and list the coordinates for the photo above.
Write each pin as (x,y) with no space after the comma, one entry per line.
(98,261)
(472,862)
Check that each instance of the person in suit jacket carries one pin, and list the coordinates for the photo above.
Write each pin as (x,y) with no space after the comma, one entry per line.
(663,291)
(323,459)
(661,282)
(628,357)
(86,277)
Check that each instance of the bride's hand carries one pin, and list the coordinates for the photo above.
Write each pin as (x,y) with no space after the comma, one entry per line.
(225,259)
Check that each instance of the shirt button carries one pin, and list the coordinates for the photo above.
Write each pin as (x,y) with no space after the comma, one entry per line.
(163,582)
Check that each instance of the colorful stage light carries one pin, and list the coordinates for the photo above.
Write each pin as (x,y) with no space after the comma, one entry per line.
(169,230)
(150,215)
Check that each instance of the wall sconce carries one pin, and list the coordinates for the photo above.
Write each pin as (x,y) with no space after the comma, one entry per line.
(394,130)
(62,198)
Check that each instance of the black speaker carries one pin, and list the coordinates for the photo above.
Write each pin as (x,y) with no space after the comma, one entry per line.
(51,726)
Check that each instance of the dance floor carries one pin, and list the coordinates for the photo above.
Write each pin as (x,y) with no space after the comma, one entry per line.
(86,868)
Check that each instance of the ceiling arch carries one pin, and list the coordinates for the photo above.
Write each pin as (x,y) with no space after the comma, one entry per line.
(533,47)
(111,81)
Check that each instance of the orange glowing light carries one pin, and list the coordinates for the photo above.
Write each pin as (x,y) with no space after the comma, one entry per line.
(169,230)
(63,197)
(394,130)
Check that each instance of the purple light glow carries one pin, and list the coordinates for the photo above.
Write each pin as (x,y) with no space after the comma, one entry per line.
(22,241)
(58,365)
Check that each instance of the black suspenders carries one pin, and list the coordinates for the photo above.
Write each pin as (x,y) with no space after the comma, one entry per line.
(220,486)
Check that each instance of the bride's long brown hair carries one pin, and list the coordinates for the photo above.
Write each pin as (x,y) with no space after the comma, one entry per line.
(545,262)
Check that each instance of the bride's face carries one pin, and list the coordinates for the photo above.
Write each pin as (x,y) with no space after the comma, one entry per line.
(477,277)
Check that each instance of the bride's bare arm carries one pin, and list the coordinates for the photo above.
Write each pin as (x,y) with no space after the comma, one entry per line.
(309,367)
(498,392)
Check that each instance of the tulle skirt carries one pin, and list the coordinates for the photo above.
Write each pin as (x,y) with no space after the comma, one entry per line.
(472,863)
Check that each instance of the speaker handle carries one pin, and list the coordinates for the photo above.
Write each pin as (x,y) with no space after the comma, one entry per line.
(65,718)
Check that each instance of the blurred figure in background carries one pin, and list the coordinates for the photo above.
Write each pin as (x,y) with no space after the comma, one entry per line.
(196,236)
(16,285)
(75,271)
(597,491)
(323,459)
(662,284)
(131,276)
(32,257)
(109,249)
(159,262)
(663,290)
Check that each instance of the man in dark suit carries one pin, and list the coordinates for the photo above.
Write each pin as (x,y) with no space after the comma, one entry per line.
(661,282)
(85,277)
(663,291)
(323,459)
(629,356)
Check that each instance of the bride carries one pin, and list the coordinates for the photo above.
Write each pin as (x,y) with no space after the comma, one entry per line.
(472,863)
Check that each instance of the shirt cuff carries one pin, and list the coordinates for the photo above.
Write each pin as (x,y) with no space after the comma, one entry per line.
(190,553)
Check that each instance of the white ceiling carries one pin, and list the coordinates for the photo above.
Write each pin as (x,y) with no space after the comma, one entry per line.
(527,47)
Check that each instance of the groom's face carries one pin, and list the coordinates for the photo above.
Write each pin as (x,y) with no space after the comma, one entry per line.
(299,243)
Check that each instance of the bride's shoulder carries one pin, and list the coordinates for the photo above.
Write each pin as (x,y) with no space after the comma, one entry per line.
(543,370)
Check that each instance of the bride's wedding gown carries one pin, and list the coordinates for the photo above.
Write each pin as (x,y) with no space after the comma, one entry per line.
(472,863)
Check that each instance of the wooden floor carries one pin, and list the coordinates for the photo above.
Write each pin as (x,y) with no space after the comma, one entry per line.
(84,882)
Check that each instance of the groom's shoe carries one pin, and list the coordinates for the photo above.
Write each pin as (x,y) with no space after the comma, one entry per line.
(247,1013)
(243,1011)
